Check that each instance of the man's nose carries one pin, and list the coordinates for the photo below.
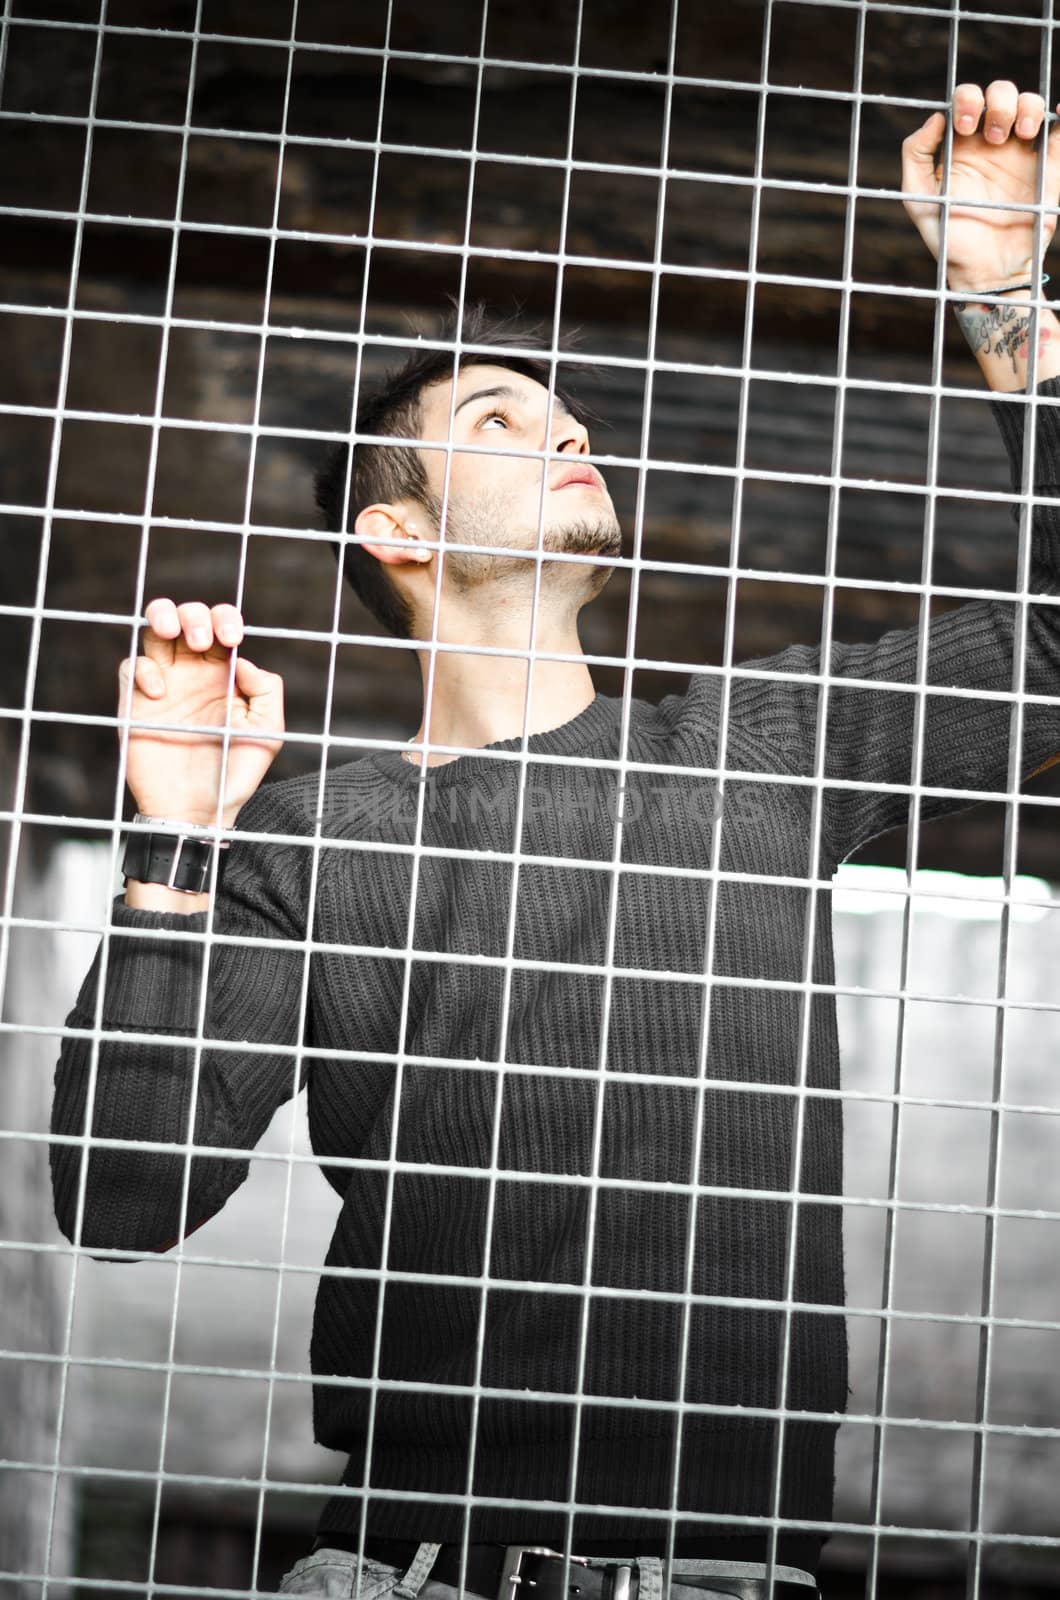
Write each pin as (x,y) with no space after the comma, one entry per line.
(570,437)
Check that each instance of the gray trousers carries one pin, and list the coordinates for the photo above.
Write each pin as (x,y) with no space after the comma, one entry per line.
(339,1575)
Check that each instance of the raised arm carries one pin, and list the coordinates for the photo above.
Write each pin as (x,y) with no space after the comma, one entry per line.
(177,688)
(871,709)
(149,1092)
(993,165)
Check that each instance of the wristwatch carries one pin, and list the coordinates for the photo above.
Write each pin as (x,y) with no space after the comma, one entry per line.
(176,854)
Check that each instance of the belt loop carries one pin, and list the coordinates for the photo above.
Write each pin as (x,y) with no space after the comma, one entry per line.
(412,1582)
(622,1581)
(649,1578)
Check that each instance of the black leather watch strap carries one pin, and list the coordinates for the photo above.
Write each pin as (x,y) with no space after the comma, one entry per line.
(177,860)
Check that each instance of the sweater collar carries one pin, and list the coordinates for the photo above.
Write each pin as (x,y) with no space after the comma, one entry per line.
(599,717)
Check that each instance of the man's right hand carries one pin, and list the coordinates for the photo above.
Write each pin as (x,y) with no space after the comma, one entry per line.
(180,679)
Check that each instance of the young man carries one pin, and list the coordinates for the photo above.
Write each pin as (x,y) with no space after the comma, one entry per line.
(567,1268)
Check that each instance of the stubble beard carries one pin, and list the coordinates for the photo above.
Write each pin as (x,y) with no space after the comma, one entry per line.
(486,521)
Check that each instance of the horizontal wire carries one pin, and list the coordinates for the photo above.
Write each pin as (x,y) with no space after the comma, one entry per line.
(335,846)
(921,895)
(885,1097)
(692,469)
(495,253)
(545,1180)
(695,569)
(839,188)
(199,1591)
(398,147)
(529,964)
(188,424)
(548,1396)
(668,568)
(706,1519)
(476,63)
(750,669)
(601,763)
(430,1497)
(265,430)
(448,446)
(594,360)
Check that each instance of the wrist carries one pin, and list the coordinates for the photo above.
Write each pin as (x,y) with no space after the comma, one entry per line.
(174,853)
(994,286)
(187,819)
(1005,283)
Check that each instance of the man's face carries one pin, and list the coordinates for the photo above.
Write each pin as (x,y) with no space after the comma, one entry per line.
(505,499)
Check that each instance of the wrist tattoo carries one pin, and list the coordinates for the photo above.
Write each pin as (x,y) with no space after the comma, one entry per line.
(999,330)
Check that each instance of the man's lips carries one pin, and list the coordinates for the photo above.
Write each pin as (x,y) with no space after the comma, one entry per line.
(584,476)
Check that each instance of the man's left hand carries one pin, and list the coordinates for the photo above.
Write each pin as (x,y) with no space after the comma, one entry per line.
(994,160)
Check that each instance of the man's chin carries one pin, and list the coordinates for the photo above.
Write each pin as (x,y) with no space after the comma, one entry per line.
(589,536)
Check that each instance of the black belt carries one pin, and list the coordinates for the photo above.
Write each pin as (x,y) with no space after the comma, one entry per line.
(489,1566)
(494,1570)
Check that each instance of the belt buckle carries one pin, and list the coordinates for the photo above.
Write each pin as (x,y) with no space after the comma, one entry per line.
(513,1560)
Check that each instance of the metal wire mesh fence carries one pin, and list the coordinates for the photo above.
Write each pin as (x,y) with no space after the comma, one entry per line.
(559,976)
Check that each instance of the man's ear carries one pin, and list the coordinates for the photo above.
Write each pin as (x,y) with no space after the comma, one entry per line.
(393,522)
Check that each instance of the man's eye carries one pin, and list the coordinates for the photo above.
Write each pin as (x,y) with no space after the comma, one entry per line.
(496,416)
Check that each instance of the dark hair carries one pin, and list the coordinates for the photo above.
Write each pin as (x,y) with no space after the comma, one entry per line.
(389,473)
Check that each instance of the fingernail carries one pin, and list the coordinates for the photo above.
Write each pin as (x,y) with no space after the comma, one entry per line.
(199,638)
(1025,128)
(966,124)
(995,134)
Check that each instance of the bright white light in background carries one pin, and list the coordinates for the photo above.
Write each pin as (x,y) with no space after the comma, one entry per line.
(866,890)
(858,891)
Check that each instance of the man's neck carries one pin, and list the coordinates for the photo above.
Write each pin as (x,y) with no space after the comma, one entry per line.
(476,700)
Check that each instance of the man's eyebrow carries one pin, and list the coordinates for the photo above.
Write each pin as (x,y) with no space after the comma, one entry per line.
(504,391)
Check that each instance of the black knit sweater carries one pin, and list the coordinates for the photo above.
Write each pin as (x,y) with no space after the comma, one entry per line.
(621,1064)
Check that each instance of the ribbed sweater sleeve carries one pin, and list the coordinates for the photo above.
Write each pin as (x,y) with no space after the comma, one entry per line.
(871,732)
(146,1093)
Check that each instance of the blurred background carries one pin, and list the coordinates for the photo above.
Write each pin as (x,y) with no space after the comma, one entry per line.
(166,376)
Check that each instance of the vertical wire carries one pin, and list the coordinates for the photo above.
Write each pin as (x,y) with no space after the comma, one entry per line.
(5,35)
(894,1168)
(22,761)
(499,1077)
(18,805)
(1011,840)
(344,518)
(817,806)
(417,844)
(125,714)
(509,953)
(615,872)
(201,1019)
(728,651)
(314,861)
